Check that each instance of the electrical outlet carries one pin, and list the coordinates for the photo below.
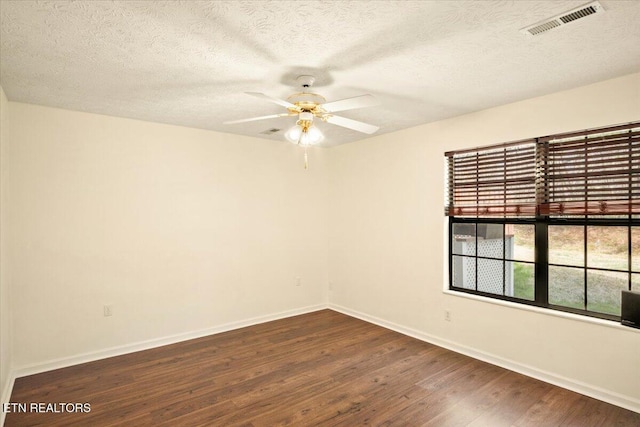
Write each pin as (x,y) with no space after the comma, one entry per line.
(298,281)
(107,310)
(447,315)
(330,286)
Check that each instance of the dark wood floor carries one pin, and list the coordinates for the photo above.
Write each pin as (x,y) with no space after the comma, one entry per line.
(322,368)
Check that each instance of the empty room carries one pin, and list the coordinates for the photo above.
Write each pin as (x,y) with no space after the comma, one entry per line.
(319,213)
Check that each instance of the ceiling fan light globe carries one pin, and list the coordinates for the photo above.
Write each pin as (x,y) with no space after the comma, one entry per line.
(314,135)
(305,141)
(293,134)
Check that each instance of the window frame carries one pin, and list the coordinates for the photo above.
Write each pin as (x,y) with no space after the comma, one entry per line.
(541,262)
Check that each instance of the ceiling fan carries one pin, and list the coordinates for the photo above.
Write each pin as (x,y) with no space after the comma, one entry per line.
(308,106)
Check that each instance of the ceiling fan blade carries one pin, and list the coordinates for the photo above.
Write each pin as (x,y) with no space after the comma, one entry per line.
(285,104)
(351,103)
(352,124)
(272,116)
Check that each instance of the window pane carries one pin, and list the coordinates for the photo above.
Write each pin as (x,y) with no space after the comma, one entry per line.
(520,240)
(490,276)
(603,291)
(566,244)
(464,239)
(566,286)
(490,241)
(464,272)
(635,282)
(635,248)
(608,247)
(520,280)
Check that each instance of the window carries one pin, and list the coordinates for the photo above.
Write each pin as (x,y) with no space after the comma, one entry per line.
(495,258)
(552,222)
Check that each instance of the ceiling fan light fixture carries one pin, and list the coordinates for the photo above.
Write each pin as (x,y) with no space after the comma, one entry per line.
(304,135)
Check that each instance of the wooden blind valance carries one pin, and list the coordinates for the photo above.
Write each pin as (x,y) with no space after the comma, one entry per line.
(494,181)
(592,172)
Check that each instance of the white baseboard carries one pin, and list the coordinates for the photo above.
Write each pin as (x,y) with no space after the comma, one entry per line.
(64,362)
(530,371)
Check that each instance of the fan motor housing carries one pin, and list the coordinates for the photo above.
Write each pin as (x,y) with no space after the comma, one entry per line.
(306,101)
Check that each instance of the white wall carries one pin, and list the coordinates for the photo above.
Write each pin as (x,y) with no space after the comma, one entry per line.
(5,307)
(179,229)
(387,240)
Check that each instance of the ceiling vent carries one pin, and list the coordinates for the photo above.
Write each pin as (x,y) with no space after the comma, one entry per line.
(563,19)
(270,131)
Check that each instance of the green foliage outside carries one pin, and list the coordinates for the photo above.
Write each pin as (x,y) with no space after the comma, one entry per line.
(523,283)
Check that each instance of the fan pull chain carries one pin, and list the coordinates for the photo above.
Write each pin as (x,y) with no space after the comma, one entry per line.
(306,159)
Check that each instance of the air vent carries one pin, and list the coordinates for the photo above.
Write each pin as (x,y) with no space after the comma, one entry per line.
(543,27)
(563,19)
(270,131)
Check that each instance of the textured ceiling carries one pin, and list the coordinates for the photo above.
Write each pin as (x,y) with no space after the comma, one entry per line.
(189,62)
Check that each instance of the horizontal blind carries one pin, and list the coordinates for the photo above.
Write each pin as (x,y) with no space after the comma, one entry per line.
(595,172)
(495,181)
(591,172)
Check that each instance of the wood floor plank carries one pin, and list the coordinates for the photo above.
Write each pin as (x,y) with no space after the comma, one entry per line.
(426,401)
(589,412)
(322,368)
(551,409)
(517,399)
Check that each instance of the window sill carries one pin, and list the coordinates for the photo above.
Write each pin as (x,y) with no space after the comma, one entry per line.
(548,312)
